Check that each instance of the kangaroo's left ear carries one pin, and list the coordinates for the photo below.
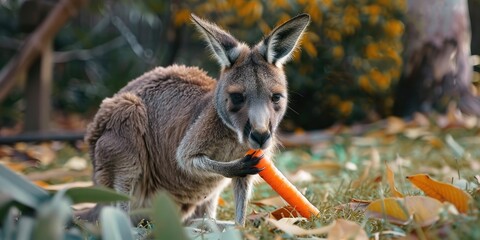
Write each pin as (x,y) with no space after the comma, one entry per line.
(225,47)
(277,48)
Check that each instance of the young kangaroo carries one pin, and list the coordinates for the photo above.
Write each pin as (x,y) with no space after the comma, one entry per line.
(175,129)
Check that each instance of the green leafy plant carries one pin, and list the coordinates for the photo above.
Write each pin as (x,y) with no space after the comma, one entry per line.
(29,212)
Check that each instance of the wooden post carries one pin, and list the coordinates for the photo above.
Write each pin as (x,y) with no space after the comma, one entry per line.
(38,92)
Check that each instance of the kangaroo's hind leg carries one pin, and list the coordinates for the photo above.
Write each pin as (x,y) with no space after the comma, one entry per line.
(119,149)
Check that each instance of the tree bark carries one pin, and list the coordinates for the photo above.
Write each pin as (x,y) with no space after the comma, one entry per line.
(436,67)
(474,8)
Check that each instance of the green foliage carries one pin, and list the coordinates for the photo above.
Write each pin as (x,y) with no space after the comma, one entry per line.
(94,194)
(115,224)
(166,220)
(45,216)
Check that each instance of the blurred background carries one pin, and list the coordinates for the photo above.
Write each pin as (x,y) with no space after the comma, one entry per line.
(347,70)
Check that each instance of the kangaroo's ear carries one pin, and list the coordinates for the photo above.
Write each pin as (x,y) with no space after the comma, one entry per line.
(224,46)
(278,47)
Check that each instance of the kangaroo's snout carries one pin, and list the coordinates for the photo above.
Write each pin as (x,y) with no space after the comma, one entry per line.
(260,138)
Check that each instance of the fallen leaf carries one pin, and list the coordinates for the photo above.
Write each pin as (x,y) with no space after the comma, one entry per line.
(442,191)
(76,163)
(43,153)
(221,202)
(300,176)
(296,230)
(395,125)
(414,133)
(344,229)
(435,142)
(322,165)
(390,209)
(425,210)
(57,187)
(421,120)
(276,201)
(391,182)
(285,212)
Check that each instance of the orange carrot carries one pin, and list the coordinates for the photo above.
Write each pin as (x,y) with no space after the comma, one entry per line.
(283,187)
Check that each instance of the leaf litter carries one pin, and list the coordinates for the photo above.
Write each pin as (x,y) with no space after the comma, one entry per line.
(341,171)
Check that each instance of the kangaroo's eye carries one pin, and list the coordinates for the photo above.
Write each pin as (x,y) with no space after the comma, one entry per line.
(237,98)
(276,97)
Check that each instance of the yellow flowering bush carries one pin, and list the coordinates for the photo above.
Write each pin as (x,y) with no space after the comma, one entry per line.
(350,57)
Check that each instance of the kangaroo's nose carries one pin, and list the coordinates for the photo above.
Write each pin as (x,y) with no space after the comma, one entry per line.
(260,138)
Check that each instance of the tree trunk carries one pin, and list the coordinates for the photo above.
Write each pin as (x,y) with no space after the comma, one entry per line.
(474,7)
(436,67)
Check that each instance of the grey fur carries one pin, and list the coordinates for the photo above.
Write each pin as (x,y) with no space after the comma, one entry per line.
(175,129)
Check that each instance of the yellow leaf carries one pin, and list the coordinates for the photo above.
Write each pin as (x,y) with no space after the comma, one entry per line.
(442,191)
(344,229)
(423,210)
(389,208)
(391,182)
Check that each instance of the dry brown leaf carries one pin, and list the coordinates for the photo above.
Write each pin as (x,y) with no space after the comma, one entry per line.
(43,153)
(276,201)
(76,163)
(57,187)
(435,142)
(442,191)
(285,212)
(395,125)
(300,176)
(389,208)
(424,210)
(296,230)
(414,133)
(391,182)
(322,165)
(344,229)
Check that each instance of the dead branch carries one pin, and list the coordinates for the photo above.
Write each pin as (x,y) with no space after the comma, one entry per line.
(37,42)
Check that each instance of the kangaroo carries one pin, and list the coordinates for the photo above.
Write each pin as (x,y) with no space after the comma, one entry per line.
(176,129)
